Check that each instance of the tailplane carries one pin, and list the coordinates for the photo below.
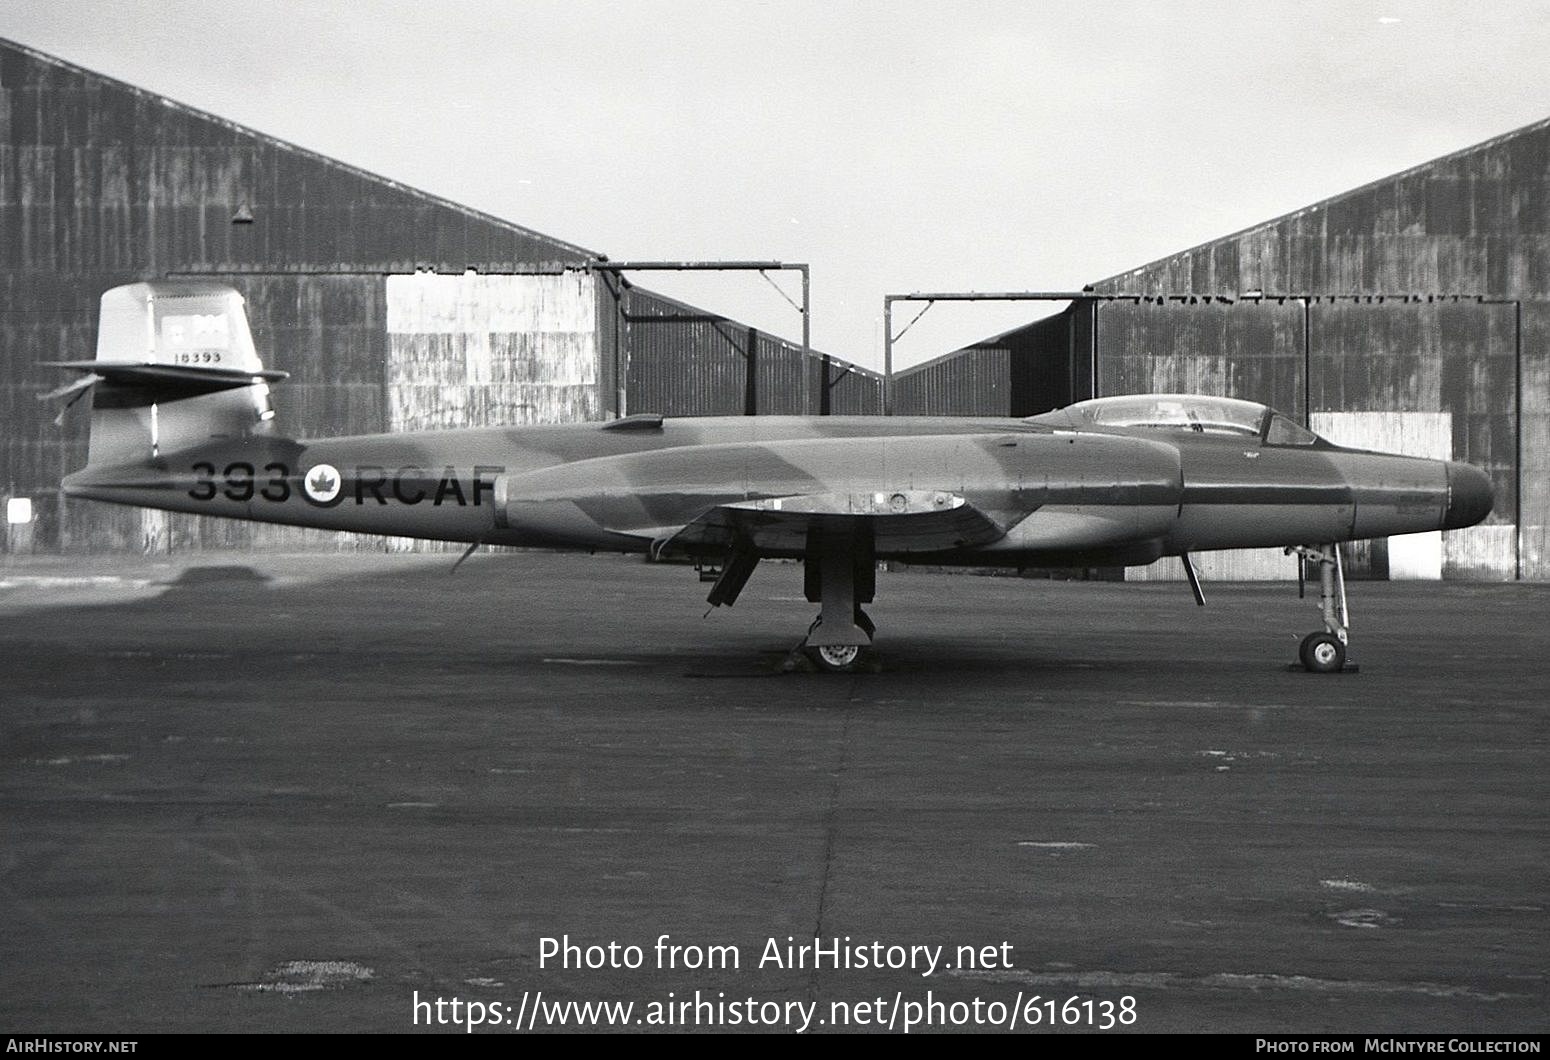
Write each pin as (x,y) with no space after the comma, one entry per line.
(175,368)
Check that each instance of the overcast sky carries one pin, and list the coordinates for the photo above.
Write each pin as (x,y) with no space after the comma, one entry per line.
(894,146)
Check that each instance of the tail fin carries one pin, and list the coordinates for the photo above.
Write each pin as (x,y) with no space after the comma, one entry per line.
(175,368)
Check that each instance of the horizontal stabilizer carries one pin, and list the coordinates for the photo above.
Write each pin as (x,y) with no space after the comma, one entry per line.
(194,378)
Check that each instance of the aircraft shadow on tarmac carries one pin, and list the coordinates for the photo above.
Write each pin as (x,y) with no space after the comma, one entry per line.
(216,578)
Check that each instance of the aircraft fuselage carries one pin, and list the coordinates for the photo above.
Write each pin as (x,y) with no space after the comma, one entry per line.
(1056,496)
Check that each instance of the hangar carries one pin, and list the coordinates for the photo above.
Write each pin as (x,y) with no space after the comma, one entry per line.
(1410,314)
(391,308)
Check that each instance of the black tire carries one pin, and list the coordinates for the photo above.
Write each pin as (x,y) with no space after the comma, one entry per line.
(835,659)
(1322,653)
(1302,650)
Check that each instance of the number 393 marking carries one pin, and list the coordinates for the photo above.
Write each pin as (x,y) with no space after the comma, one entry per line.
(240,481)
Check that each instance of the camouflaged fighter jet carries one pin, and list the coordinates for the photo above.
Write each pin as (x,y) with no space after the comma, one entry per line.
(181,420)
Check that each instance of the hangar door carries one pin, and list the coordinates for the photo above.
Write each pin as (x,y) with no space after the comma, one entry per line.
(481,350)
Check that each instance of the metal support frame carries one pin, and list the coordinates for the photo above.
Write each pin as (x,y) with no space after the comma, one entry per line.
(761,267)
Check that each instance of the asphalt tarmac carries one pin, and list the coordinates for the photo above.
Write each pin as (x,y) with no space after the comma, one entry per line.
(299,793)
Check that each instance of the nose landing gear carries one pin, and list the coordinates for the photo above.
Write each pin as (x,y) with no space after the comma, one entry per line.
(1324,651)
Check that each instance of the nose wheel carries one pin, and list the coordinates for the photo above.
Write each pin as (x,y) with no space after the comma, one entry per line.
(1324,651)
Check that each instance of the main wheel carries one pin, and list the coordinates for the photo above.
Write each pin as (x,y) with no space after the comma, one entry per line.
(836,658)
(1322,653)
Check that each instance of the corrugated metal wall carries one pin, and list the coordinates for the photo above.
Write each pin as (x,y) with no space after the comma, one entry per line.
(686,361)
(975,381)
(96,175)
(853,391)
(1248,350)
(1471,222)
(682,361)
(1050,366)
(1021,372)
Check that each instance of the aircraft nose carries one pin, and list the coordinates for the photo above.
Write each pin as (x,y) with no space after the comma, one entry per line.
(1469,496)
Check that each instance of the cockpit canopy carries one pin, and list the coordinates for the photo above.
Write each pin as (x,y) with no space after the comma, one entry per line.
(1192,412)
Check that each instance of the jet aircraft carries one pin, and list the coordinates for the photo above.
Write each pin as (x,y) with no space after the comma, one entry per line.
(181,420)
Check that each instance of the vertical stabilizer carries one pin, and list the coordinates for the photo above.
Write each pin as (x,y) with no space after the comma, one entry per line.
(175,368)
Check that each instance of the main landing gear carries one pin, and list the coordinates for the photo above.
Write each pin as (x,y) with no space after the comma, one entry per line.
(840,574)
(1324,651)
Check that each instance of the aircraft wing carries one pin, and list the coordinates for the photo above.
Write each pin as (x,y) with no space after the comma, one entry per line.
(907,493)
(900,521)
